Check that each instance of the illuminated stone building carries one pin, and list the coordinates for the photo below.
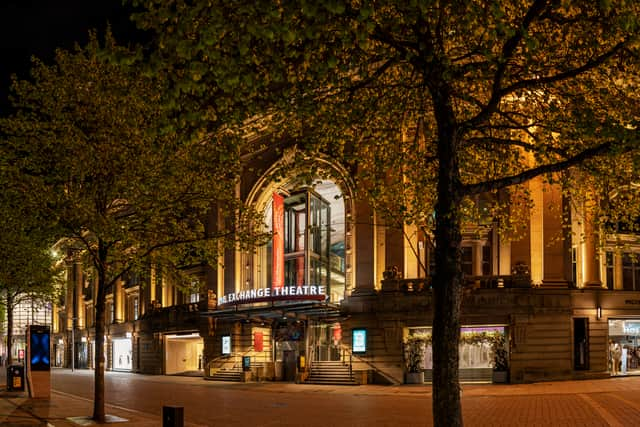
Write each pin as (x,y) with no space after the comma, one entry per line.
(335,286)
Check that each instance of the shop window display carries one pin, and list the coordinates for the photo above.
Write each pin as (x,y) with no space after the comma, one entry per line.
(477,346)
(624,347)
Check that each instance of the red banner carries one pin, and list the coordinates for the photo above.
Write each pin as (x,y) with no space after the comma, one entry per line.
(258,343)
(277,273)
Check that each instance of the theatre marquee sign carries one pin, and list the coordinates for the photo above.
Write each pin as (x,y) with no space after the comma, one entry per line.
(306,292)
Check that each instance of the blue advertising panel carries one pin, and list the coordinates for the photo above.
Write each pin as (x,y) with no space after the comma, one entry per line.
(359,341)
(39,352)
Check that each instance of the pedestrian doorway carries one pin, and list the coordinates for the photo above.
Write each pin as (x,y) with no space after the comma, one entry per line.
(325,341)
(183,354)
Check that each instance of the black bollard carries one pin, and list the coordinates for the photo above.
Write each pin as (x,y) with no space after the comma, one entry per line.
(172,416)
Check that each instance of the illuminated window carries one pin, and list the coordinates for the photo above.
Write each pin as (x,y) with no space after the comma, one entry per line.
(312,242)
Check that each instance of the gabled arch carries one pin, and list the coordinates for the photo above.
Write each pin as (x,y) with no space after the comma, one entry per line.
(296,169)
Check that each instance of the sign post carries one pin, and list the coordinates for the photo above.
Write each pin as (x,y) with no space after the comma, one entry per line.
(38,361)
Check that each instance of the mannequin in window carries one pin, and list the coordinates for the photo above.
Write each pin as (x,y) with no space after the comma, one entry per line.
(615,352)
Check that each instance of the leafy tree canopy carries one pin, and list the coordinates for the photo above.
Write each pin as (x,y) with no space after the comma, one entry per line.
(524,84)
(89,147)
(29,271)
(429,101)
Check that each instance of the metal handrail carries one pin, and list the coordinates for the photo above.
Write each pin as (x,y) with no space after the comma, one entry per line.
(366,362)
(344,349)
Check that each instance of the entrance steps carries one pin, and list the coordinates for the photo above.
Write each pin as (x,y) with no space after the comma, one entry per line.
(233,375)
(330,373)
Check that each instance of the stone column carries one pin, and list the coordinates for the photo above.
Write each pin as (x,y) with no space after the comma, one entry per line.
(590,258)
(411,252)
(118,301)
(617,270)
(68,299)
(476,257)
(537,231)
(79,288)
(365,250)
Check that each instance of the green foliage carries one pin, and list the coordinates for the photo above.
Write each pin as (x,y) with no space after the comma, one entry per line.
(414,354)
(89,146)
(28,269)
(429,103)
(500,352)
(363,81)
(415,345)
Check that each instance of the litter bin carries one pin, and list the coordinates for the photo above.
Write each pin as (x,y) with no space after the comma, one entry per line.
(172,416)
(15,378)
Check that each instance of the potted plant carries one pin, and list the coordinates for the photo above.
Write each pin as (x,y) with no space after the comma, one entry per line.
(413,358)
(500,359)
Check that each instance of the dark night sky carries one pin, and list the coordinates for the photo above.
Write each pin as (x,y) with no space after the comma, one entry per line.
(38,27)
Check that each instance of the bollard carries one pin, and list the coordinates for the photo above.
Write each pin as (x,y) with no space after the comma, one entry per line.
(15,378)
(172,416)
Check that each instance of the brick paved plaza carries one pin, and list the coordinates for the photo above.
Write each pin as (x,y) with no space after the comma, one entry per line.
(139,400)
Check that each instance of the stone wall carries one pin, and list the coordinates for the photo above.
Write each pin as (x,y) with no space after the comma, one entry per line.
(539,321)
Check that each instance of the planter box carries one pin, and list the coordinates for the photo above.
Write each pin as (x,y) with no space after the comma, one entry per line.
(500,377)
(415,377)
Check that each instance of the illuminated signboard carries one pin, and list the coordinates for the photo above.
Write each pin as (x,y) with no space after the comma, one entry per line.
(359,340)
(39,348)
(305,292)
(226,344)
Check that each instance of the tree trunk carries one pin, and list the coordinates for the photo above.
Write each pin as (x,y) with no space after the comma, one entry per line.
(98,392)
(9,360)
(447,296)
(447,287)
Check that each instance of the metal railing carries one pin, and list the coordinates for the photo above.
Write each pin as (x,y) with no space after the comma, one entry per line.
(344,349)
(406,285)
(424,284)
(374,368)
(234,361)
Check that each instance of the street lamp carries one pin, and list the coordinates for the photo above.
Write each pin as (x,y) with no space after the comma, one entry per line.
(73,343)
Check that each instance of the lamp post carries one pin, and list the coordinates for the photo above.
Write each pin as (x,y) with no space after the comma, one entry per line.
(73,343)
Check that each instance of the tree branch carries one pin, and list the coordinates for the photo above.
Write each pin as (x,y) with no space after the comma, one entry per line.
(488,140)
(508,181)
(589,65)
(508,51)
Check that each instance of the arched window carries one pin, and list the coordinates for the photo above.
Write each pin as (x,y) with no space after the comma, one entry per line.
(308,243)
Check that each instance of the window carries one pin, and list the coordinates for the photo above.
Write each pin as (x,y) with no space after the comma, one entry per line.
(467,260)
(112,312)
(486,260)
(574,266)
(194,292)
(609,269)
(630,272)
(309,245)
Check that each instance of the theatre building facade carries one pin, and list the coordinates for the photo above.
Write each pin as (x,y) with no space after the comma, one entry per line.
(338,296)
(337,286)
